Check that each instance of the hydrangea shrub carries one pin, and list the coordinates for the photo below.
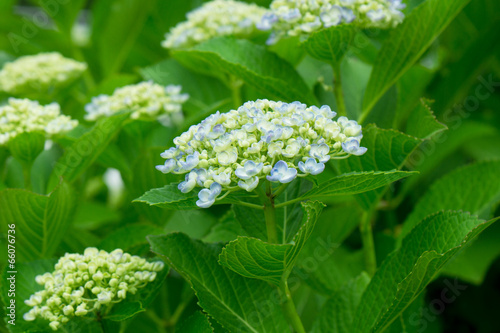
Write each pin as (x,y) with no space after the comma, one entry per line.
(249,166)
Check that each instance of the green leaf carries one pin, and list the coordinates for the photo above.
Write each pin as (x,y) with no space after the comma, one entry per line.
(170,197)
(387,149)
(422,123)
(115,27)
(407,43)
(194,223)
(196,323)
(130,238)
(26,147)
(63,13)
(86,149)
(474,188)
(407,270)
(25,287)
(331,44)
(259,68)
(203,90)
(239,304)
(226,229)
(41,221)
(253,258)
(338,312)
(354,183)
(251,220)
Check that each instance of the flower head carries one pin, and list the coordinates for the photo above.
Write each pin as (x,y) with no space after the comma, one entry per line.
(146,100)
(215,18)
(23,115)
(302,17)
(83,283)
(261,140)
(39,74)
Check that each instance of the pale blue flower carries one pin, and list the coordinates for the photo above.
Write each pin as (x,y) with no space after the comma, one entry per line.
(190,182)
(207,196)
(168,167)
(282,173)
(311,166)
(352,147)
(267,21)
(249,184)
(249,170)
(375,15)
(222,178)
(320,152)
(332,16)
(292,15)
(191,162)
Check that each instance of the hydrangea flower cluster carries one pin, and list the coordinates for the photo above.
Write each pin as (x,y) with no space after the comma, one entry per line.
(40,73)
(215,18)
(302,17)
(23,115)
(146,100)
(264,139)
(83,283)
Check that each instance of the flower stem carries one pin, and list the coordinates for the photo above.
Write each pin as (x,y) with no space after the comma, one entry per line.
(235,86)
(368,244)
(289,306)
(270,215)
(338,91)
(27,175)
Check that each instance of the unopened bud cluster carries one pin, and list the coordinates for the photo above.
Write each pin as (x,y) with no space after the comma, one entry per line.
(146,100)
(215,18)
(83,283)
(39,74)
(264,139)
(23,115)
(302,17)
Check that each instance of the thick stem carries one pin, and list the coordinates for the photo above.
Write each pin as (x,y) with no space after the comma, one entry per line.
(289,307)
(338,91)
(368,244)
(27,175)
(270,215)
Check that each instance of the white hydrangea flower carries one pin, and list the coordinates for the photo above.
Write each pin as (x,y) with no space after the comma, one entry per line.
(23,115)
(83,283)
(261,140)
(215,18)
(39,74)
(302,17)
(147,100)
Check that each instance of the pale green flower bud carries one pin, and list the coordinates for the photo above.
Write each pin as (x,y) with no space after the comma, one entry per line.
(23,115)
(39,74)
(215,18)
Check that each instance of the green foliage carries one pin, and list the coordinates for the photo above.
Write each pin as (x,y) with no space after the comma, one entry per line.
(330,45)
(239,304)
(41,221)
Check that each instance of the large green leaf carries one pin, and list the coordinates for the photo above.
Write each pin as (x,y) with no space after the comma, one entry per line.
(338,312)
(63,13)
(354,183)
(406,271)
(422,123)
(25,286)
(86,149)
(130,238)
(41,221)
(238,303)
(273,77)
(170,197)
(25,147)
(251,220)
(196,323)
(387,149)
(115,27)
(254,258)
(474,188)
(330,44)
(406,44)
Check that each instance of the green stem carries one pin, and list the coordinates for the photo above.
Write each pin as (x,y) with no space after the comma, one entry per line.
(270,215)
(289,306)
(368,244)
(289,202)
(27,175)
(338,91)
(248,204)
(235,85)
